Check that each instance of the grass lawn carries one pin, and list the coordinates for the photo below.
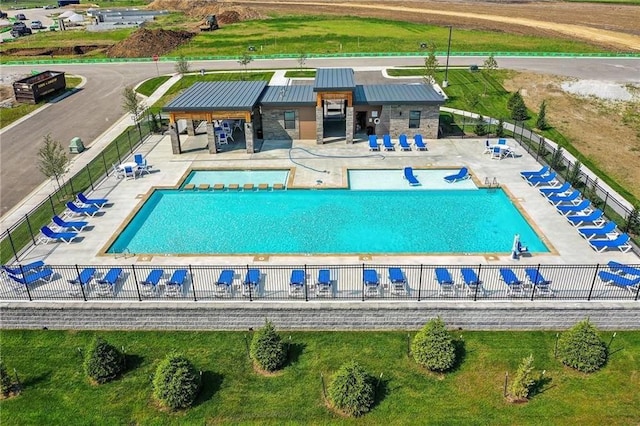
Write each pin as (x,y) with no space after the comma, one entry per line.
(56,390)
(150,86)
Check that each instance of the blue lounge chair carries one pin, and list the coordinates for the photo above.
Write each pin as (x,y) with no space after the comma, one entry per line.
(150,284)
(88,211)
(323,283)
(530,173)
(471,281)
(555,190)
(44,274)
(630,284)
(96,202)
(404,145)
(75,225)
(48,235)
(142,165)
(607,230)
(419,143)
(539,283)
(23,269)
(398,282)
(296,282)
(584,207)
(596,217)
(539,180)
(224,284)
(83,280)
(107,284)
(445,282)
(410,177)
(621,242)
(175,284)
(371,282)
(462,174)
(373,143)
(502,141)
(386,141)
(251,282)
(511,280)
(572,198)
(623,269)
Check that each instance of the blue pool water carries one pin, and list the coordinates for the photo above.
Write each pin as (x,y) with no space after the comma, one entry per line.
(326,221)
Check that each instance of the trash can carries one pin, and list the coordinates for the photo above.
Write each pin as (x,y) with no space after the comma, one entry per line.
(76,146)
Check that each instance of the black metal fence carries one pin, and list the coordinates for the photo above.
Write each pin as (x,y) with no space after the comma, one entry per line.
(345,282)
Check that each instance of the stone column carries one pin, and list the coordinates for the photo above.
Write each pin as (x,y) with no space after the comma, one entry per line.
(319,125)
(191,128)
(175,138)
(211,138)
(349,125)
(248,137)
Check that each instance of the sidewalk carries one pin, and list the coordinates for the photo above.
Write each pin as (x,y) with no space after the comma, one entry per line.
(80,161)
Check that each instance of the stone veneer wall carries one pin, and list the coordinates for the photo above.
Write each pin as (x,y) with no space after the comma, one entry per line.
(396,119)
(347,315)
(273,124)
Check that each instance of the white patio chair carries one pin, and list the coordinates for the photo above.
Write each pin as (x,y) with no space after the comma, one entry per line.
(222,138)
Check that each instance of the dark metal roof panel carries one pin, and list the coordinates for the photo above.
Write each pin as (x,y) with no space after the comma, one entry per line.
(218,95)
(382,94)
(288,95)
(334,79)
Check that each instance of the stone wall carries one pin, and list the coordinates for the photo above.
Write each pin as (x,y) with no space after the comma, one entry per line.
(273,124)
(396,119)
(289,315)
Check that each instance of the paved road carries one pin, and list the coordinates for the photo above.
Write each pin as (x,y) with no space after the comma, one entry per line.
(92,110)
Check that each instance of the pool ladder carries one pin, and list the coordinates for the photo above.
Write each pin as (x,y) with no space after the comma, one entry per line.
(124,253)
(491,183)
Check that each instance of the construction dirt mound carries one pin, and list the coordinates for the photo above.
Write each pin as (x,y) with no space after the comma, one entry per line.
(145,43)
(226,13)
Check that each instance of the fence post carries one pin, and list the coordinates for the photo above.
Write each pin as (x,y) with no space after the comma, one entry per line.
(26,286)
(606,198)
(135,279)
(90,179)
(248,284)
(533,290)
(129,137)
(80,283)
(118,152)
(193,286)
(13,247)
(593,282)
(420,283)
(73,191)
(475,295)
(53,209)
(306,293)
(104,161)
(637,293)
(30,229)
(362,278)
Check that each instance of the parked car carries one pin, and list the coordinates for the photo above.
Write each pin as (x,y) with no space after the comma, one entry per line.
(19,29)
(20,17)
(37,25)
(3,15)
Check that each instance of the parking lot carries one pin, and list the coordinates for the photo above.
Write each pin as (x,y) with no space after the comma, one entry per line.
(36,14)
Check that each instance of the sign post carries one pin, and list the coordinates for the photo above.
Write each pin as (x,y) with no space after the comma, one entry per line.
(155,59)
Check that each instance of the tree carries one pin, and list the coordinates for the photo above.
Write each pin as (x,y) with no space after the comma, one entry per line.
(488,67)
(176,382)
(430,65)
(481,128)
(183,66)
(519,110)
(632,224)
(541,122)
(581,348)
(513,99)
(523,381)
(53,160)
(500,129)
(352,389)
(267,348)
(131,104)
(103,361)
(433,347)
(245,60)
(556,158)
(574,173)
(302,58)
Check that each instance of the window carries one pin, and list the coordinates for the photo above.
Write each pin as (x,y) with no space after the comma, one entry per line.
(414,119)
(289,119)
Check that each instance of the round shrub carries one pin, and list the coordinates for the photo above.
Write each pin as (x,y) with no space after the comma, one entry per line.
(103,361)
(176,382)
(352,389)
(5,380)
(433,347)
(267,348)
(581,348)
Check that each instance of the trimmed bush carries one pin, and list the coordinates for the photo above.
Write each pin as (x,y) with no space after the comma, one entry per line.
(352,389)
(176,382)
(433,347)
(581,348)
(5,380)
(103,361)
(523,381)
(267,348)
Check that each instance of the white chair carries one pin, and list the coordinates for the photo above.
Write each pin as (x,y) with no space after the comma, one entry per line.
(510,152)
(119,173)
(222,138)
(227,129)
(238,125)
(487,147)
(496,153)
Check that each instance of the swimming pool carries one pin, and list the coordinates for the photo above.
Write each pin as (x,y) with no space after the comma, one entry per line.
(338,221)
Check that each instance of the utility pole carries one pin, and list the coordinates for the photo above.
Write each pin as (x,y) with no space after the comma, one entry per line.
(445,83)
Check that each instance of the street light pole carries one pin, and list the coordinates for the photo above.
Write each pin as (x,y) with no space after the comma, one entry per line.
(445,83)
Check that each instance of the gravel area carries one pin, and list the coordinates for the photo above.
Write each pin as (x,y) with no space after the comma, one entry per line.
(601,89)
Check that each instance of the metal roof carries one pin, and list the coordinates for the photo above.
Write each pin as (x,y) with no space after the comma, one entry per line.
(218,96)
(382,94)
(330,79)
(288,96)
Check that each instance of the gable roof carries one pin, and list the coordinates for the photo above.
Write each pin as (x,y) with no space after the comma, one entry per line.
(218,95)
(332,79)
(301,95)
(383,94)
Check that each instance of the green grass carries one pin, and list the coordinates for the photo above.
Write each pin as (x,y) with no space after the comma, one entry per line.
(150,86)
(56,390)
(300,74)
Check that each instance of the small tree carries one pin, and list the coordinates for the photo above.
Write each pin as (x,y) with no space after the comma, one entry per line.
(519,110)
(6,384)
(433,347)
(267,348)
(352,389)
(176,382)
(573,175)
(481,128)
(132,105)
(103,362)
(488,67)
(430,65)
(541,122)
(302,58)
(556,158)
(182,66)
(53,160)
(500,133)
(245,60)
(632,224)
(581,348)
(523,381)
(514,98)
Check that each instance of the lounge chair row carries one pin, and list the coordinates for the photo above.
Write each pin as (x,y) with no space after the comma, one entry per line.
(418,143)
(578,211)
(514,285)
(65,228)
(621,275)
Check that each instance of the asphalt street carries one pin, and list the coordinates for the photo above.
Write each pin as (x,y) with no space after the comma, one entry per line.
(92,110)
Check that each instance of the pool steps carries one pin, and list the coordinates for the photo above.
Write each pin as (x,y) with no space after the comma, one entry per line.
(234,187)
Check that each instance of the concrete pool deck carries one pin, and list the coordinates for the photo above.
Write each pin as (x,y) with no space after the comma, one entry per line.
(168,170)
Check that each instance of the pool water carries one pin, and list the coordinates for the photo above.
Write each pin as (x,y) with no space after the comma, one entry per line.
(337,221)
